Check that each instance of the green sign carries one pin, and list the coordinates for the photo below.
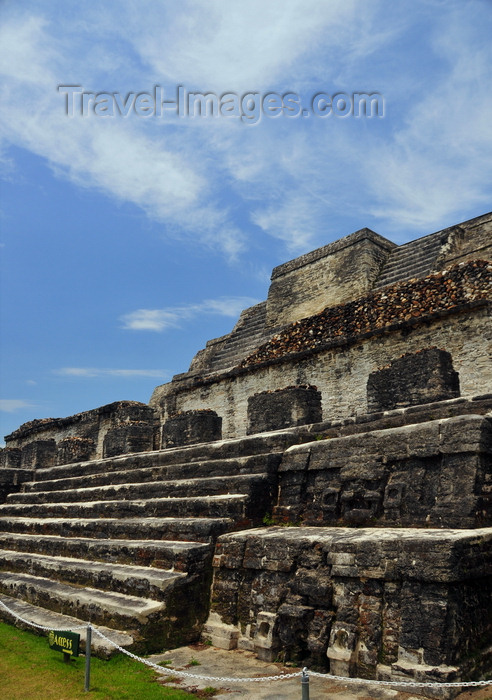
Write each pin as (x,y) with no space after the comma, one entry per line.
(67,642)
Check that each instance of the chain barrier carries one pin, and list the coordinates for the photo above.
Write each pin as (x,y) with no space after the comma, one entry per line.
(147,662)
(40,627)
(280,677)
(411,684)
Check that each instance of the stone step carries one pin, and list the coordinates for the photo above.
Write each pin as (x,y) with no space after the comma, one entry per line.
(140,581)
(411,266)
(240,352)
(415,259)
(220,467)
(231,506)
(175,555)
(245,334)
(255,325)
(116,610)
(412,260)
(246,337)
(411,263)
(189,488)
(252,445)
(54,620)
(204,530)
(403,277)
(411,250)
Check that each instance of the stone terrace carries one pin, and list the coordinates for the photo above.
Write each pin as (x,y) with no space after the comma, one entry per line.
(127,542)
(351,413)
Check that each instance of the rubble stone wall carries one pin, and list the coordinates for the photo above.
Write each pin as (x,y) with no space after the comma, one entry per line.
(296,405)
(191,427)
(414,378)
(11,480)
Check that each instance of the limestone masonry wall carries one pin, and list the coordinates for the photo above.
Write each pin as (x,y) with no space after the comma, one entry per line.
(122,425)
(338,349)
(341,372)
(331,275)
(435,474)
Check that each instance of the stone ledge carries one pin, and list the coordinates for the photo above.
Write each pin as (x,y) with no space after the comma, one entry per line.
(43,424)
(335,247)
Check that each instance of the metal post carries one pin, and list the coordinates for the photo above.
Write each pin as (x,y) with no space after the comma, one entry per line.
(305,684)
(88,644)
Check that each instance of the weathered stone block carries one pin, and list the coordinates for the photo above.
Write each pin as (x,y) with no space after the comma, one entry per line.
(399,603)
(74,449)
(273,410)
(128,437)
(414,378)
(433,474)
(266,640)
(11,480)
(191,427)
(38,454)
(330,275)
(10,457)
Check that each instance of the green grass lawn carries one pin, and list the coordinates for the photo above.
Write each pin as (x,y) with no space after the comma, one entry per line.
(29,669)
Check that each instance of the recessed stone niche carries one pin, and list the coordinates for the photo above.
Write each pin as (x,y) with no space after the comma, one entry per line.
(191,427)
(128,437)
(412,379)
(284,408)
(10,457)
(74,449)
(38,453)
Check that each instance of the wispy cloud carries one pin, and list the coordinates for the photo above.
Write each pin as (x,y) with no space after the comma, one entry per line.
(440,160)
(172,317)
(154,168)
(12,405)
(94,372)
(430,158)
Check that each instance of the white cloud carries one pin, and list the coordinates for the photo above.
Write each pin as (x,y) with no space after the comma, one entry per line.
(171,317)
(154,168)
(440,161)
(12,405)
(91,372)
(409,171)
(151,320)
(249,45)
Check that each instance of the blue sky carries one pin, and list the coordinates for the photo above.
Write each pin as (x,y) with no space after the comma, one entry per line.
(127,242)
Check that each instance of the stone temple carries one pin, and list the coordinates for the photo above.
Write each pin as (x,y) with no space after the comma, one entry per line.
(317,487)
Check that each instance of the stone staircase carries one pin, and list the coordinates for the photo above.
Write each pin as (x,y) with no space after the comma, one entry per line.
(414,259)
(127,542)
(248,335)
